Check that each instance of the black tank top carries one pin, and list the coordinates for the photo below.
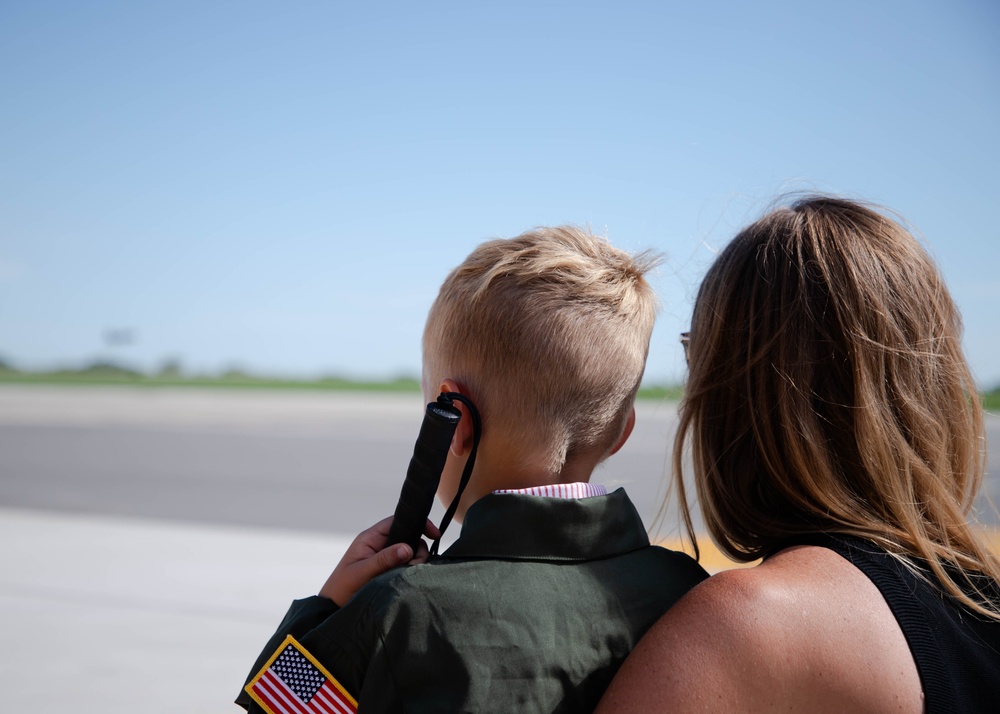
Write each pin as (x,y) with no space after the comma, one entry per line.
(957,652)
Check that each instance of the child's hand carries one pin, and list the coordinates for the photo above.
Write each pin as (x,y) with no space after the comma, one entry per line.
(367,557)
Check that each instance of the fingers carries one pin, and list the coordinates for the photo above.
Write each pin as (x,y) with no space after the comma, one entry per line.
(386,559)
(367,557)
(375,536)
(431,530)
(382,527)
(347,580)
(422,555)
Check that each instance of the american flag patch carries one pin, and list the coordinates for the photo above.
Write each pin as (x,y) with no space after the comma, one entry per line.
(293,682)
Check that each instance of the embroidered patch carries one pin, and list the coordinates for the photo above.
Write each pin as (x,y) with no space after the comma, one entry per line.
(294,682)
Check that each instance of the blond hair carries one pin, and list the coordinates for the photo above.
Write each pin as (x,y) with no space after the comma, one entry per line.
(828,392)
(549,331)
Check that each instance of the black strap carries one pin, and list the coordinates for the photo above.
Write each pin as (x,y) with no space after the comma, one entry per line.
(477,433)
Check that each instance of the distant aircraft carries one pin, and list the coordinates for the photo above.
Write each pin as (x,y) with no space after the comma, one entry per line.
(119,337)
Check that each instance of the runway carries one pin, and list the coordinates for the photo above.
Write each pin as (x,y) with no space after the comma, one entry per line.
(324,462)
(321,462)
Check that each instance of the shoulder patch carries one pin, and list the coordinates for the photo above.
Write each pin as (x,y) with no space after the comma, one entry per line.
(294,682)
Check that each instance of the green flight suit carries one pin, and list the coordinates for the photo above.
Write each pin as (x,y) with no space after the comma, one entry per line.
(532,609)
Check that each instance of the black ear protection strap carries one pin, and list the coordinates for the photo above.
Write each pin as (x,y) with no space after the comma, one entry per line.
(448,398)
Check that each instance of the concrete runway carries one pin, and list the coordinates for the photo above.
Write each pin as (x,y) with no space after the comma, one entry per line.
(322,462)
(155,537)
(325,462)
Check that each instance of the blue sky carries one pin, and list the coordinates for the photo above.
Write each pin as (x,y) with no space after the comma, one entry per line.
(284,186)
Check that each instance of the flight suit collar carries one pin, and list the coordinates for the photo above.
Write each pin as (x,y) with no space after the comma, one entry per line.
(517,527)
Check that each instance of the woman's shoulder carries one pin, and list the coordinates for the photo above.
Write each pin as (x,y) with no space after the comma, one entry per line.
(804,629)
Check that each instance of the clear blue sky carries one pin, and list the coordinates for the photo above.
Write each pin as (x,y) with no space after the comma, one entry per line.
(283,186)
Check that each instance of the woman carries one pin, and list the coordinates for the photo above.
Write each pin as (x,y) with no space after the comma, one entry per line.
(835,432)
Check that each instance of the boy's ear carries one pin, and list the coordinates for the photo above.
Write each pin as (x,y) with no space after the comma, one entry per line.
(629,425)
(461,443)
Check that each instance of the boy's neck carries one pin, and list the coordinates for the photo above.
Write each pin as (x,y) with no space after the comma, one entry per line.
(503,464)
(495,470)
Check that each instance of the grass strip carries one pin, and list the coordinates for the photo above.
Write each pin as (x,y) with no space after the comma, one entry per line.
(106,375)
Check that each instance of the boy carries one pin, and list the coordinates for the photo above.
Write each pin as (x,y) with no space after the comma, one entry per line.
(552,580)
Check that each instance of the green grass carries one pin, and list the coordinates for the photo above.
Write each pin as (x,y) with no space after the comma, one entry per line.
(113,375)
(122,377)
(991,400)
(669,393)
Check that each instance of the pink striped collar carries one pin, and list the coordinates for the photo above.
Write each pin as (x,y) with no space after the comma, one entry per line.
(580,489)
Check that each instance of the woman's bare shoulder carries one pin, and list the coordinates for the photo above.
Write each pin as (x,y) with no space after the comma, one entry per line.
(784,633)
(706,652)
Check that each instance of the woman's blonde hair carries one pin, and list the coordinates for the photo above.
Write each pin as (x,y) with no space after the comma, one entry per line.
(550,331)
(828,392)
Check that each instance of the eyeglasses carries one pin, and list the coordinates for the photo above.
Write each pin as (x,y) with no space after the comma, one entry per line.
(686,342)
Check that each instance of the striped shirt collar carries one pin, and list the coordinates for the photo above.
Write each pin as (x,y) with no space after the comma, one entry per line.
(580,489)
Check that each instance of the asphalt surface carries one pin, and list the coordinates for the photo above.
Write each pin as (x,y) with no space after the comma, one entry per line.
(305,461)
(153,538)
(318,462)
